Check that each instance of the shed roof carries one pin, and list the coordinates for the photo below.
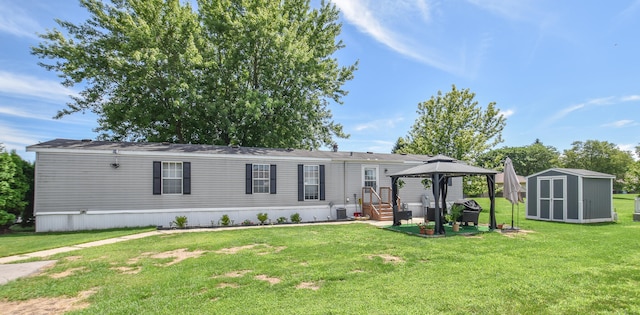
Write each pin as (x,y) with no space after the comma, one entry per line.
(62,145)
(576,172)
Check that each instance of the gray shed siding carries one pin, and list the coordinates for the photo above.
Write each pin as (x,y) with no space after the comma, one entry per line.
(597,199)
(588,197)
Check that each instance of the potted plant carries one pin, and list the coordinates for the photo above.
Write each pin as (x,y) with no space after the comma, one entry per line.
(423,227)
(431,227)
(456,214)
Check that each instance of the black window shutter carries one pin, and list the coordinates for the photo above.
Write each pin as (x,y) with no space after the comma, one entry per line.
(272,179)
(157,178)
(300,182)
(321,182)
(186,178)
(249,179)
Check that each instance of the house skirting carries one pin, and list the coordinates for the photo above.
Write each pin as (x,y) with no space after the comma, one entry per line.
(107,219)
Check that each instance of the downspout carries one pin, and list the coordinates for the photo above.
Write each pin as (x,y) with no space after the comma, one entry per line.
(344,182)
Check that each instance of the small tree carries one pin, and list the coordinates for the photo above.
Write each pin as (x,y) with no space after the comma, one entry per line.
(455,125)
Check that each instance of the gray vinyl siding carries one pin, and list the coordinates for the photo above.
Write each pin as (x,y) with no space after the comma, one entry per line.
(86,181)
(597,198)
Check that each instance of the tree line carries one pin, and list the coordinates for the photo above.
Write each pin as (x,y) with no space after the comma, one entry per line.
(454,124)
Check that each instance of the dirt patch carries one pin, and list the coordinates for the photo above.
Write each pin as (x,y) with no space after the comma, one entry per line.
(73,258)
(268,279)
(228,285)
(127,270)
(66,273)
(275,250)
(388,259)
(308,285)
(516,233)
(233,274)
(264,249)
(178,255)
(135,260)
(48,306)
(234,250)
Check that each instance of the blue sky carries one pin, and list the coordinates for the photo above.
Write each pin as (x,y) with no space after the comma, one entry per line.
(560,71)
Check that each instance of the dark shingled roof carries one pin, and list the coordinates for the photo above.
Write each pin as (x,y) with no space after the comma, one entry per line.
(441,164)
(68,144)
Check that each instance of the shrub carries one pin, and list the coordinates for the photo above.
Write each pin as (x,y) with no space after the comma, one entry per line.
(247,222)
(295,218)
(180,222)
(262,217)
(6,221)
(225,221)
(282,220)
(7,218)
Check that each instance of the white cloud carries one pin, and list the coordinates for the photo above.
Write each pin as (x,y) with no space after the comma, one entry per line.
(379,124)
(16,22)
(621,123)
(630,98)
(507,113)
(14,139)
(602,101)
(32,87)
(382,21)
(10,111)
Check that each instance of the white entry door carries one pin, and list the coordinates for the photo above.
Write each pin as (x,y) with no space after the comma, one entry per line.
(552,198)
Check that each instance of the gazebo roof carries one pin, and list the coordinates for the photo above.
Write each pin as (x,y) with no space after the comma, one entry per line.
(441,164)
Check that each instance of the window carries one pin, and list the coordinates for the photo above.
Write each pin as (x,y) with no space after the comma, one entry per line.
(311,182)
(260,179)
(370,175)
(260,175)
(171,178)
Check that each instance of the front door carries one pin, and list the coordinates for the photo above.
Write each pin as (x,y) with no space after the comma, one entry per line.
(552,201)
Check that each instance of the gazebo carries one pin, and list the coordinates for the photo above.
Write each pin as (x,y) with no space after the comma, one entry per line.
(440,168)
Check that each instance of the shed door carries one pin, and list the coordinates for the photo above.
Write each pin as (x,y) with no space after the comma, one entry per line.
(552,201)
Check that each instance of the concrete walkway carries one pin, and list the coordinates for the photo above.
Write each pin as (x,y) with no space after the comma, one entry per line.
(10,271)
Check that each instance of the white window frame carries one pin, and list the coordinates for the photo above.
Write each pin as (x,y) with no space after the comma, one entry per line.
(308,183)
(376,173)
(170,174)
(258,181)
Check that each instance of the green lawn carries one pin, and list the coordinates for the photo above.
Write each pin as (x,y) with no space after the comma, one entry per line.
(21,242)
(359,269)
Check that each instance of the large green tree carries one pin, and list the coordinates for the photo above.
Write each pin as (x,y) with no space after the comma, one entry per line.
(526,160)
(247,72)
(599,156)
(16,185)
(632,177)
(454,124)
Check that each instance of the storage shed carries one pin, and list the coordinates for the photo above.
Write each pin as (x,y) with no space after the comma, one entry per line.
(570,195)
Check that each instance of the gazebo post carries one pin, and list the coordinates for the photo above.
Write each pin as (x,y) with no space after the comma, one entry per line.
(435,182)
(491,183)
(394,197)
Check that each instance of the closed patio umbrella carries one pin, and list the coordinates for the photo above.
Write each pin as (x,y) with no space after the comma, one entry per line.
(512,186)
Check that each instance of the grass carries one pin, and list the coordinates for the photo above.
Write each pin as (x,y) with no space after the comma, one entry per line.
(21,241)
(558,269)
